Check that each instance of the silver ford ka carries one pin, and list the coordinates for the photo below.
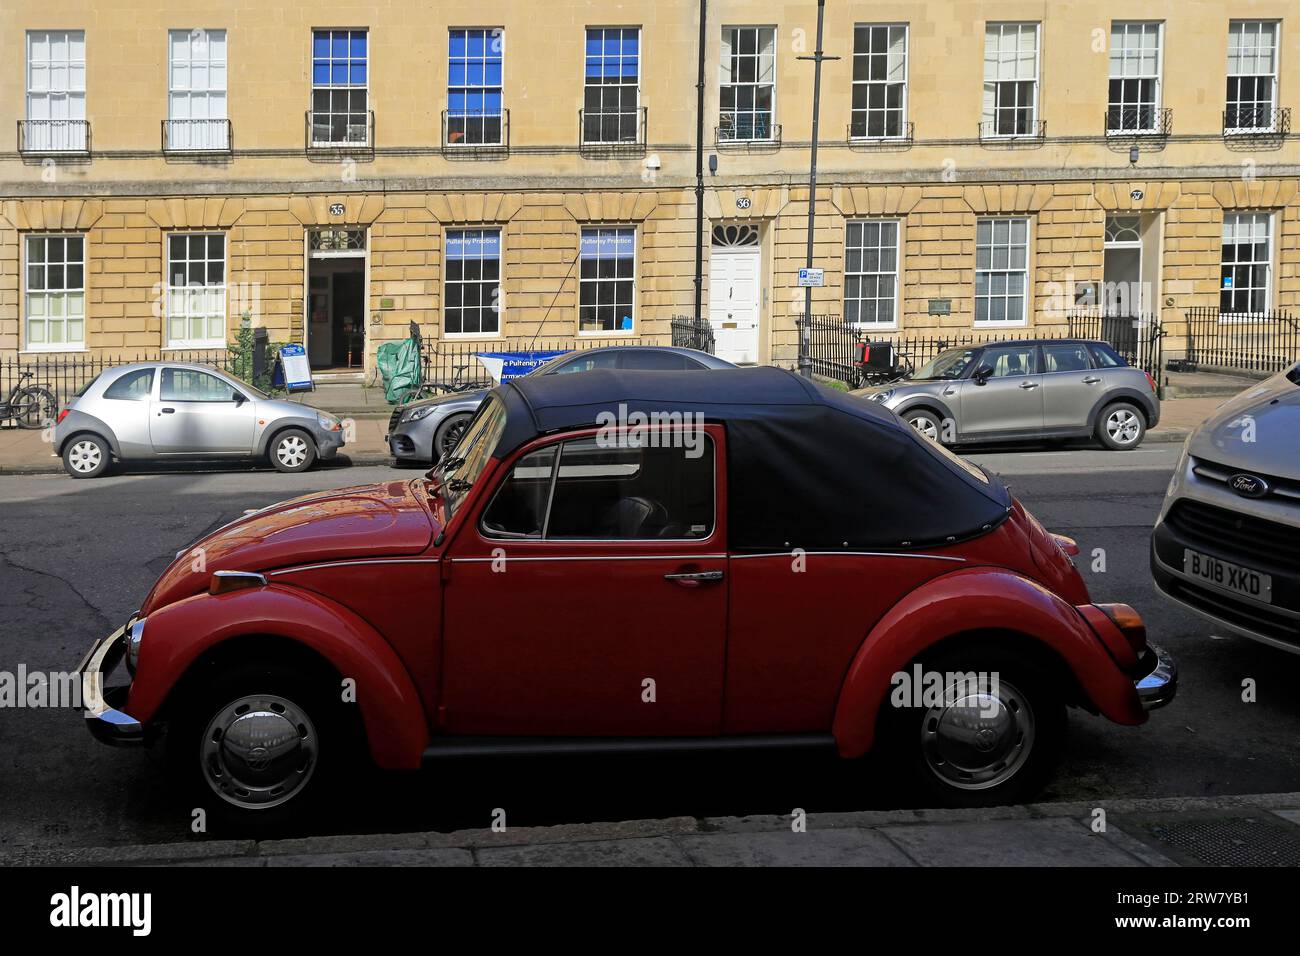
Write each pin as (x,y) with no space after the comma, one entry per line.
(171,410)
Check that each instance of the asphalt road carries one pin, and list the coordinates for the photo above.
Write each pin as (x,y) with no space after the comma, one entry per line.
(77,557)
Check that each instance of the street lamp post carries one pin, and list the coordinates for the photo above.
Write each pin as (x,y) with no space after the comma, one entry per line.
(805,364)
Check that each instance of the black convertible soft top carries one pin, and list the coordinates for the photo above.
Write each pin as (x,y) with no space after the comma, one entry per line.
(809,467)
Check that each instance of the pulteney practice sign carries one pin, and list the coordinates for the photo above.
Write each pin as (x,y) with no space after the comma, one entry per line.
(292,371)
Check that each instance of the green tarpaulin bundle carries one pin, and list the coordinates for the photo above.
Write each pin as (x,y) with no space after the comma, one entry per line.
(399,364)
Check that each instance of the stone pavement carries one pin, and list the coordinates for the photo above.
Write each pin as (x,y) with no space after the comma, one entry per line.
(1255,830)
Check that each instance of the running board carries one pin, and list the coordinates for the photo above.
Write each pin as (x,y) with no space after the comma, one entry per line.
(457,747)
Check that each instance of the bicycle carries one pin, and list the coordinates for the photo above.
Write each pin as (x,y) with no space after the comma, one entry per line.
(431,388)
(31,406)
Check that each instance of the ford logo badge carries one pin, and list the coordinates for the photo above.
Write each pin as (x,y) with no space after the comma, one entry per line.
(1248,486)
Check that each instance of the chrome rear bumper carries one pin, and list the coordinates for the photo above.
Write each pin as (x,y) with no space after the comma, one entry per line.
(106,723)
(1160,684)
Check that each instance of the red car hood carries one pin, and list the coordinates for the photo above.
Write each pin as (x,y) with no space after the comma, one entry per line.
(365,521)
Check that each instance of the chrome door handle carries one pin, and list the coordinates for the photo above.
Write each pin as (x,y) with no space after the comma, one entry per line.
(1028,385)
(168,411)
(950,391)
(693,579)
(1091,380)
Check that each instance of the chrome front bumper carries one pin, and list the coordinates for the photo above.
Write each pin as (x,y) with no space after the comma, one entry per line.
(106,723)
(1160,684)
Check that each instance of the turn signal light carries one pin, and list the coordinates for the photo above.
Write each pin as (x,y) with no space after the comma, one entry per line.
(62,415)
(1130,624)
(1066,544)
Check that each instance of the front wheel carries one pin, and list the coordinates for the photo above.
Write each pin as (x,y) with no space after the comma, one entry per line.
(448,434)
(1121,426)
(986,728)
(926,423)
(35,407)
(293,451)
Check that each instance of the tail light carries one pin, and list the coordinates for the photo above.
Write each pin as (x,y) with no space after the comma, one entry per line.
(1129,623)
(62,415)
(1150,381)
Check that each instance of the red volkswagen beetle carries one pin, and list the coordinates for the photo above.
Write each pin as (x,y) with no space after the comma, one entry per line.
(632,561)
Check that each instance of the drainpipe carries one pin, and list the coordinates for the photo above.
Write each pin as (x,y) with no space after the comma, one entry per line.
(805,363)
(699,170)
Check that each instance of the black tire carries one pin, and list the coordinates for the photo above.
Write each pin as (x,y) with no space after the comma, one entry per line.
(948,772)
(448,433)
(86,456)
(292,451)
(1121,426)
(925,422)
(234,784)
(35,407)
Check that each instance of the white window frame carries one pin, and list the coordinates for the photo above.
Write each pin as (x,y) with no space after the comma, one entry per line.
(198,133)
(640,72)
(499,309)
(332,86)
(636,254)
(989,110)
(207,342)
(1270,221)
(869,83)
(896,273)
(65,293)
(756,85)
(1275,75)
(494,35)
(1026,271)
(67,98)
(1158,78)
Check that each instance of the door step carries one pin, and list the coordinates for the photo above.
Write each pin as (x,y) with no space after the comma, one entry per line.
(349,377)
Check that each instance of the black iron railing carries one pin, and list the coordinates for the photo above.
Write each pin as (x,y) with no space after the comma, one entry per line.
(1243,341)
(746,129)
(197,136)
(861,133)
(51,136)
(1004,131)
(1254,120)
(1139,121)
(1138,338)
(601,132)
(340,132)
(691,333)
(472,130)
(450,360)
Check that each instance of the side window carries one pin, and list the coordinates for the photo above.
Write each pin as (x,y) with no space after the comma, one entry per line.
(587,363)
(1065,358)
(1105,358)
(191,385)
(654,360)
(134,386)
(1011,361)
(519,508)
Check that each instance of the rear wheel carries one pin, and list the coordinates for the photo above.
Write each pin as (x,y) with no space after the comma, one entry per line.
(35,407)
(86,456)
(448,433)
(293,451)
(1121,426)
(992,736)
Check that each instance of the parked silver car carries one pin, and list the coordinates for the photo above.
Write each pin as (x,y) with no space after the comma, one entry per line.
(168,410)
(1027,390)
(426,430)
(1227,544)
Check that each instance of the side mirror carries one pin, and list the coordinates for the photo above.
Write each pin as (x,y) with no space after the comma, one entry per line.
(981,375)
(238,398)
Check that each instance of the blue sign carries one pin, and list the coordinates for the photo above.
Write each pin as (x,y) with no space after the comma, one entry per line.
(609,244)
(503,366)
(292,371)
(1227,282)
(474,244)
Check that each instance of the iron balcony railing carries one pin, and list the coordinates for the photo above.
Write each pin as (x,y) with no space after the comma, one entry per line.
(48,136)
(197,136)
(344,132)
(746,129)
(468,130)
(860,132)
(1139,121)
(1252,120)
(1014,130)
(602,131)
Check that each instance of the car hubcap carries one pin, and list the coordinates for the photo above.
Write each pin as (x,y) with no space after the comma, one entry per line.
(926,427)
(292,451)
(258,751)
(1122,426)
(85,456)
(979,737)
(453,435)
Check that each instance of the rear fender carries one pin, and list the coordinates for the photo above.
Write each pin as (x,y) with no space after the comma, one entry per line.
(179,634)
(976,599)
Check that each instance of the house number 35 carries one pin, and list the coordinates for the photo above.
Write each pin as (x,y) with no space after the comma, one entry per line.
(336,209)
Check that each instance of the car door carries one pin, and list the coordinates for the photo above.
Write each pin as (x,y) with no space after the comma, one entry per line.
(1003,394)
(588,595)
(1071,386)
(125,407)
(198,412)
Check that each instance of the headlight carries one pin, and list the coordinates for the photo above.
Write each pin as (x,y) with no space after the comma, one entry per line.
(133,638)
(329,423)
(415,414)
(884,396)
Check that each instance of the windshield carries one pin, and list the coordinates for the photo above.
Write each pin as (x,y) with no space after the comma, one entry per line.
(1293,376)
(458,473)
(256,392)
(946,365)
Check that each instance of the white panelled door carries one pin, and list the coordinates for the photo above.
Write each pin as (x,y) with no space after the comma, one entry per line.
(733,302)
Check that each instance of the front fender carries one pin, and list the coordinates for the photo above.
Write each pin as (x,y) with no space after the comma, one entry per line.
(975,599)
(178,634)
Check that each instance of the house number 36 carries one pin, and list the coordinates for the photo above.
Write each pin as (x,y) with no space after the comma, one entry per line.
(742,202)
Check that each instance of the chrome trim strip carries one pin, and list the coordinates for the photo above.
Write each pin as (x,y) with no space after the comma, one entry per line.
(599,557)
(350,562)
(854,554)
(244,575)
